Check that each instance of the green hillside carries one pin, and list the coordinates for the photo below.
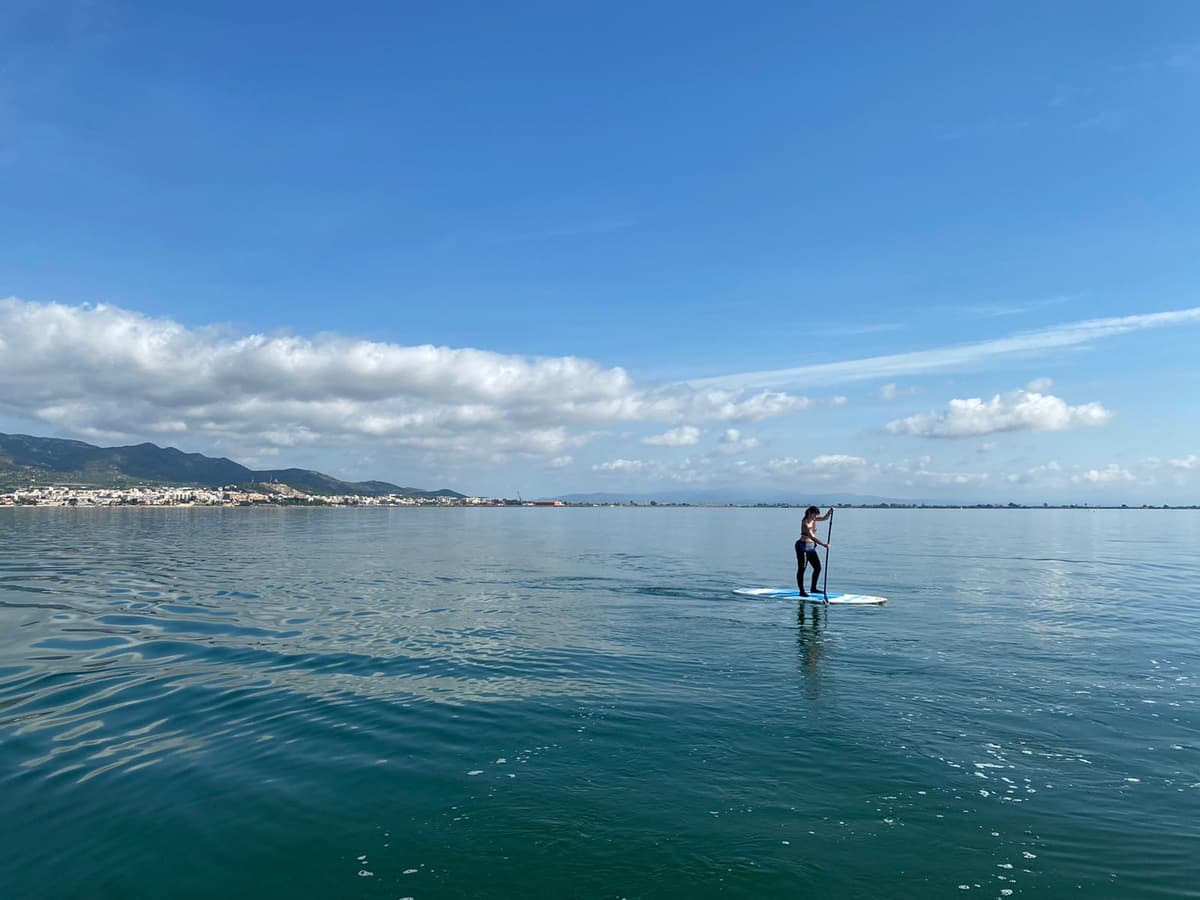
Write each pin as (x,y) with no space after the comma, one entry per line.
(26,460)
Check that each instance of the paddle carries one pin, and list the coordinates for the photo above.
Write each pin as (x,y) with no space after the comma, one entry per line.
(825,581)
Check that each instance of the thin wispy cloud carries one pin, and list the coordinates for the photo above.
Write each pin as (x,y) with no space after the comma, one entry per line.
(852,330)
(1002,310)
(1172,60)
(955,356)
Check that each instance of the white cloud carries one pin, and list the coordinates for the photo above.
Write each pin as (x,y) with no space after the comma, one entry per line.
(910,465)
(821,468)
(942,479)
(733,442)
(892,391)
(1108,475)
(687,471)
(837,460)
(920,476)
(1191,461)
(1040,385)
(919,471)
(844,469)
(102,371)
(683,436)
(623,465)
(560,462)
(1019,411)
(754,408)
(960,356)
(1044,474)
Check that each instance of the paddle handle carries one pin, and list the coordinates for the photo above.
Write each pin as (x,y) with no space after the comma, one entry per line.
(825,574)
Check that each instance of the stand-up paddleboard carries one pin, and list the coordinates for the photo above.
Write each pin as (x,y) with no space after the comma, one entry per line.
(834,599)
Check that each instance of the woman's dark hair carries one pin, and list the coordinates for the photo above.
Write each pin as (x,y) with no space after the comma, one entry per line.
(812,511)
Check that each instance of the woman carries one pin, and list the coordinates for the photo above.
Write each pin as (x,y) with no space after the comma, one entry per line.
(806,548)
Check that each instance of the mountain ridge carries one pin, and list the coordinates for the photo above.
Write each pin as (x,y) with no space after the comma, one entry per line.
(26,458)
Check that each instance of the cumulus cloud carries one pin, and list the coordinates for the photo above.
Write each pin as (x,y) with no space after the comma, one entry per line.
(837,460)
(682,436)
(949,479)
(920,471)
(1018,411)
(623,465)
(1040,385)
(891,391)
(1040,474)
(911,465)
(103,371)
(822,467)
(1108,475)
(687,471)
(1191,461)
(733,442)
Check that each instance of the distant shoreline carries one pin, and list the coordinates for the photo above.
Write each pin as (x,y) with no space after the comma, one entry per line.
(8,501)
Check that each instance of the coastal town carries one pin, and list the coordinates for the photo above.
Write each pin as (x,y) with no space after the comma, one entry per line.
(284,495)
(278,495)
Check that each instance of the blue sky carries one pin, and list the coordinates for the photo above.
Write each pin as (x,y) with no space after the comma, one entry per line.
(232,228)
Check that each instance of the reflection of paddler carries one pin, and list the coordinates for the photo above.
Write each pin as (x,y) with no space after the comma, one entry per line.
(806,548)
(809,640)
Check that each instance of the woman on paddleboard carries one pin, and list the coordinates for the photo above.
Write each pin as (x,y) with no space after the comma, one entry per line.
(806,548)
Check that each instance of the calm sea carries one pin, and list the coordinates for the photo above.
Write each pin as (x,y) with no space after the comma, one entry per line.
(570,703)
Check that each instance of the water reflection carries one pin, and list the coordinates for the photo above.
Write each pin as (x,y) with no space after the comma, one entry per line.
(287,692)
(102,619)
(810,623)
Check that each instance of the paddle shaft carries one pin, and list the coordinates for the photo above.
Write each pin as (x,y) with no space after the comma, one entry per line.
(825,574)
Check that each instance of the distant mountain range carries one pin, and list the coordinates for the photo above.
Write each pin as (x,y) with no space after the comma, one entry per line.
(26,460)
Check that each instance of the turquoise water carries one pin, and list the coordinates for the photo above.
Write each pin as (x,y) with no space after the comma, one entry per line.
(559,702)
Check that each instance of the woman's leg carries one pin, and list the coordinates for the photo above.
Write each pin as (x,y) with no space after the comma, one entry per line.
(800,559)
(816,567)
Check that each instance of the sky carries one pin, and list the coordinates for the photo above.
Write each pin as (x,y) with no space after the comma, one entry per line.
(935,251)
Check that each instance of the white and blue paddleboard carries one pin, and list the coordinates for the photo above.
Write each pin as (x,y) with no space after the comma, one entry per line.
(834,599)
